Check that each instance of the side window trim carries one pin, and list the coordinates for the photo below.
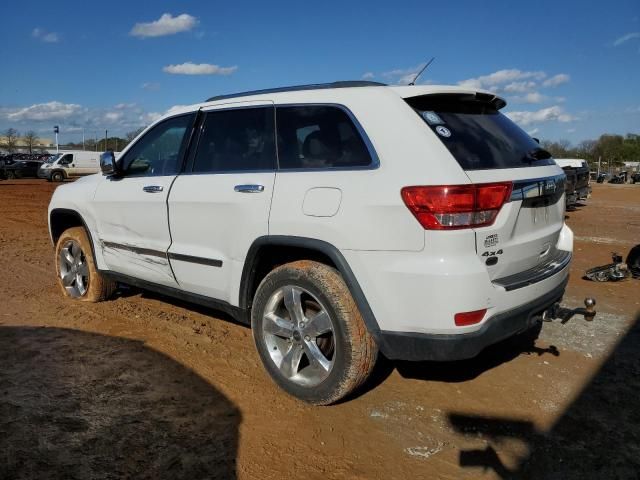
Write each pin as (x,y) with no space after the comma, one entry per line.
(203,111)
(375,160)
(184,146)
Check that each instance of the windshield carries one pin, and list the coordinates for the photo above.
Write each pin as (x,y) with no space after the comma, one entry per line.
(53,158)
(478,136)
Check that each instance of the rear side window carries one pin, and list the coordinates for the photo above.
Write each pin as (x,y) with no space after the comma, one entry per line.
(319,136)
(237,140)
(478,136)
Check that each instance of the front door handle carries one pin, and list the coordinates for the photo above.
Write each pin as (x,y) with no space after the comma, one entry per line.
(249,188)
(153,188)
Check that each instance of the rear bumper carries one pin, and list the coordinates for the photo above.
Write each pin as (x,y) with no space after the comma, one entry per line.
(447,347)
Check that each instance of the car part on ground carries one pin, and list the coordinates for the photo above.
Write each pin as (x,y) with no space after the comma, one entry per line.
(616,270)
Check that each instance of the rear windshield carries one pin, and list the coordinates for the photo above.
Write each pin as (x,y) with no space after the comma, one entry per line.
(478,136)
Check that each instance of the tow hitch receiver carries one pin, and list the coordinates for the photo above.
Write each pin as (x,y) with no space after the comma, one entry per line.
(556,312)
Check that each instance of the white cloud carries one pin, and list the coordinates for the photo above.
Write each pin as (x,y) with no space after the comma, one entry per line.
(45,111)
(122,106)
(48,37)
(556,80)
(549,114)
(626,38)
(368,76)
(112,117)
(520,87)
(501,77)
(165,25)
(531,97)
(189,68)
(533,132)
(150,86)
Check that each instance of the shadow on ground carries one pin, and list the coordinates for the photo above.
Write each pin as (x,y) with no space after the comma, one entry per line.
(82,405)
(598,436)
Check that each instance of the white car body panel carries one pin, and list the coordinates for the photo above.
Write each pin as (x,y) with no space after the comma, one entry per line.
(415,280)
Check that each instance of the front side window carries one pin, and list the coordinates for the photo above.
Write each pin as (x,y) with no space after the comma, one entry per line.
(319,136)
(159,152)
(236,140)
(67,159)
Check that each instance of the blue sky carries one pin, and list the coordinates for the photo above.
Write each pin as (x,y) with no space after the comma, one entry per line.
(568,69)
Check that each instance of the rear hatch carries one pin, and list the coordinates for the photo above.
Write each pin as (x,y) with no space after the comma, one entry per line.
(518,247)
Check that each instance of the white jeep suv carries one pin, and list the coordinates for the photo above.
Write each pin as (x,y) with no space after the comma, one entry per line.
(339,220)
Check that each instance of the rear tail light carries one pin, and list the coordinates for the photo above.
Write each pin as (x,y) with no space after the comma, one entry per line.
(469,318)
(450,207)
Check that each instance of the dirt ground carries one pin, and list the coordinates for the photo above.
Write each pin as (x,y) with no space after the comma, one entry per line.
(147,387)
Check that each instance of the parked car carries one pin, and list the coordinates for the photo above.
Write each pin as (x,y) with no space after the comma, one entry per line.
(635,177)
(570,192)
(581,168)
(22,169)
(70,164)
(338,220)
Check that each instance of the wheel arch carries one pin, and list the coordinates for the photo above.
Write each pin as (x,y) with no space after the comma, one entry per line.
(61,219)
(269,251)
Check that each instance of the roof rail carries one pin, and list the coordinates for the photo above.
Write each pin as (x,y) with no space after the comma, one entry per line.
(295,88)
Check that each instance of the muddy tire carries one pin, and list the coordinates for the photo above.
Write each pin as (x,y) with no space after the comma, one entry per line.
(310,334)
(57,177)
(76,271)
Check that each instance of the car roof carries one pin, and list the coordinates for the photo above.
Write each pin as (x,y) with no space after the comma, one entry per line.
(286,93)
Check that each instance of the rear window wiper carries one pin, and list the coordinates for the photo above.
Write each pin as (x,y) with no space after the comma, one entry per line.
(536,154)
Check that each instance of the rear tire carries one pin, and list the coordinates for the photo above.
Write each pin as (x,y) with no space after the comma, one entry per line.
(11,175)
(76,271)
(310,334)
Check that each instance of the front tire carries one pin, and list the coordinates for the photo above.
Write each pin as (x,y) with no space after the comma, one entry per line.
(76,271)
(310,334)
(57,177)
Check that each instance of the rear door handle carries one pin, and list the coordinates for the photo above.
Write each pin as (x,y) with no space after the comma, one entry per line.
(153,188)
(249,188)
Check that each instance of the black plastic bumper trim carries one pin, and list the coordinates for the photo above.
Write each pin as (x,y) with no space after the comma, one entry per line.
(447,347)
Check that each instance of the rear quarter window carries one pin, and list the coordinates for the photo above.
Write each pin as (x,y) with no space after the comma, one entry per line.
(318,137)
(477,135)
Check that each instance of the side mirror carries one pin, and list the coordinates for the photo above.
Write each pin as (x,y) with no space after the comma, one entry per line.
(108,163)
(537,140)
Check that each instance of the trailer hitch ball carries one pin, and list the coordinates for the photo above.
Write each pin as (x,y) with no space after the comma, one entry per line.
(590,312)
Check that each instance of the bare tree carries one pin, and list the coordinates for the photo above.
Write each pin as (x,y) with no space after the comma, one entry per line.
(133,134)
(11,136)
(30,139)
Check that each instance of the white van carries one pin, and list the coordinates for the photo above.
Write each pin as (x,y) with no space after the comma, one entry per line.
(70,164)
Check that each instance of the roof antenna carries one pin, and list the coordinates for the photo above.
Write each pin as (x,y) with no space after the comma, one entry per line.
(420,72)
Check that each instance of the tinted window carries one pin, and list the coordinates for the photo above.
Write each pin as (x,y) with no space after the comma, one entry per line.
(160,150)
(236,140)
(319,137)
(477,134)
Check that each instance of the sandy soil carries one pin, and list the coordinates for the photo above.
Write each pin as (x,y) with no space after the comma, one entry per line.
(147,387)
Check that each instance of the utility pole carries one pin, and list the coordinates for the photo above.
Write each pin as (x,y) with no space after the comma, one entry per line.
(83,139)
(56,129)
(599,160)
(105,140)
